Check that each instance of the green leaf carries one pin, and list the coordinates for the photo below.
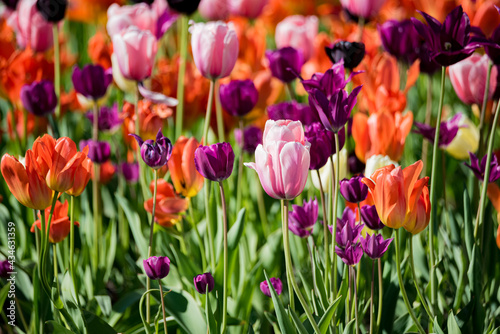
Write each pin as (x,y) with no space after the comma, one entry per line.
(212,326)
(135,226)
(298,324)
(281,315)
(236,231)
(469,234)
(327,317)
(3,295)
(104,302)
(53,327)
(350,327)
(474,274)
(96,324)
(186,311)
(437,328)
(452,324)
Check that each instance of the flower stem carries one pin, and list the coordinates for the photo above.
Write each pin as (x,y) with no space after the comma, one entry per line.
(72,250)
(57,68)
(355,298)
(415,281)
(95,189)
(380,293)
(150,248)
(240,168)
(261,206)
(208,184)
(335,178)
(402,286)
(54,253)
(224,289)
(180,79)
(428,114)
(163,307)
(371,296)
(198,236)
(218,114)
(348,302)
(208,115)
(325,230)
(482,116)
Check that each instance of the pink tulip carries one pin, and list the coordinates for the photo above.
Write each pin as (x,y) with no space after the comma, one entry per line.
(362,8)
(468,78)
(32,30)
(298,32)
(215,48)
(140,15)
(282,161)
(135,50)
(214,9)
(247,8)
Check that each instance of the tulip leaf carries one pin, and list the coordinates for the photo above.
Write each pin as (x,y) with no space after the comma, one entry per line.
(135,225)
(298,324)
(212,326)
(350,327)
(281,315)
(474,275)
(452,324)
(185,310)
(236,231)
(469,234)
(96,324)
(53,327)
(327,317)
(437,328)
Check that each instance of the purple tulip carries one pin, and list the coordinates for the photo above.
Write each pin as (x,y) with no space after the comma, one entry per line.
(349,232)
(5,268)
(348,217)
(449,42)
(91,81)
(329,82)
(375,246)
(238,97)
(52,10)
(400,39)
(99,151)
(130,171)
(155,153)
(285,63)
(352,53)
(108,118)
(493,48)
(334,112)
(39,98)
(479,170)
(277,285)
(448,130)
(292,110)
(321,144)
(354,190)
(204,283)
(370,217)
(156,267)
(356,166)
(214,162)
(252,137)
(351,254)
(427,64)
(165,22)
(302,218)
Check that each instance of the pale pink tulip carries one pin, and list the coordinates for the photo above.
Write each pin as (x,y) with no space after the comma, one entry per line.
(215,48)
(363,8)
(247,8)
(468,78)
(135,51)
(140,15)
(298,32)
(282,161)
(214,9)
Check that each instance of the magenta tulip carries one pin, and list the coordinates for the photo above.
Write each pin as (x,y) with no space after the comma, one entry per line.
(32,30)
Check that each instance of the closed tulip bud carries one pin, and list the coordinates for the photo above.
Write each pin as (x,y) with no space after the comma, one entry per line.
(83,174)
(5,268)
(214,10)
(214,162)
(247,8)
(204,283)
(400,39)
(157,267)
(32,29)
(60,225)
(375,246)
(99,151)
(155,153)
(187,7)
(141,15)
(126,85)
(130,171)
(238,97)
(294,111)
(91,81)
(108,118)
(52,10)
(321,147)
(298,32)
(285,63)
(277,285)
(370,217)
(352,53)
(252,137)
(39,98)
(466,140)
(354,190)
(362,8)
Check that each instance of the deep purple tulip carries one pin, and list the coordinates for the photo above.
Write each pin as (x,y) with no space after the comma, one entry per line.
(204,283)
(252,137)
(5,268)
(215,162)
(347,230)
(187,7)
(292,110)
(108,118)
(375,246)
(493,47)
(354,190)
(155,153)
(238,97)
(348,217)
(370,217)
(99,151)
(39,98)
(479,170)
(356,166)
(91,81)
(130,171)
(302,218)
(352,53)
(334,112)
(156,267)
(321,144)
(11,4)
(277,285)
(351,254)
(427,64)
(285,63)
(52,10)
(448,130)
(449,42)
(400,39)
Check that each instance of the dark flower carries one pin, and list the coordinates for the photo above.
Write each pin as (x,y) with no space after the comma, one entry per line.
(11,4)
(302,218)
(352,53)
(277,285)
(285,63)
(329,82)
(99,151)
(400,39)
(356,166)
(351,254)
(91,81)
(155,154)
(374,245)
(215,162)
(108,118)
(252,137)
(157,267)
(187,7)
(354,190)
(238,97)
(5,268)
(294,111)
(204,283)
(479,170)
(130,171)
(448,130)
(321,144)
(52,10)
(370,217)
(39,98)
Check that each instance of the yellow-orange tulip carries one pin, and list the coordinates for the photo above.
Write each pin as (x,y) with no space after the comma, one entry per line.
(186,179)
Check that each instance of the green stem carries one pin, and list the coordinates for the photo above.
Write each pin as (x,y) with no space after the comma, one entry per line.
(198,236)
(349,301)
(288,268)
(218,113)
(291,92)
(225,283)
(335,178)
(371,296)
(180,79)
(150,247)
(261,206)
(163,307)
(361,26)
(415,281)
(141,301)
(57,68)
(209,225)
(54,252)
(428,114)
(482,116)
(402,286)
(208,115)
(355,299)
(240,168)
(380,294)
(95,190)
(325,230)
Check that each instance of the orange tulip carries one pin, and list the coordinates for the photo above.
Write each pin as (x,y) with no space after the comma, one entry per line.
(168,205)
(418,212)
(25,183)
(494,196)
(100,49)
(106,172)
(60,224)
(82,177)
(186,179)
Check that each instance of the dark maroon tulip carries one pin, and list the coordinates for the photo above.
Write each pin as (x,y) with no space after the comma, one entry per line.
(370,217)
(427,64)
(400,39)
(155,153)
(215,162)
(352,53)
(374,245)
(187,7)
(108,118)
(252,137)
(479,170)
(91,81)
(351,254)
(204,283)
(99,151)
(285,63)
(39,98)
(157,267)
(5,268)
(292,110)
(11,4)
(52,10)
(238,97)
(277,285)
(354,190)
(356,166)
(302,218)
(448,130)
(493,47)
(329,82)
(321,144)
(130,171)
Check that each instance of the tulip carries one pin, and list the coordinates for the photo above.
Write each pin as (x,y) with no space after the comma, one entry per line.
(448,130)
(298,32)
(302,218)
(466,140)
(238,97)
(187,7)
(165,22)
(277,285)
(321,145)
(347,230)
(60,224)
(356,166)
(468,78)
(106,172)
(5,269)
(400,39)
(83,174)
(215,48)
(351,53)
(375,246)
(91,81)
(204,283)
(493,51)
(214,10)
(370,217)
(98,151)
(285,63)
(10,4)
(378,161)
(362,8)
(348,218)
(140,15)
(330,82)
(169,207)
(25,183)
(108,118)
(156,267)
(282,161)
(39,98)
(354,190)
(325,172)
(130,171)
(247,8)
(186,179)
(292,110)
(479,169)
(427,64)
(52,10)
(351,254)
(419,215)
(125,85)
(214,162)
(155,153)
(252,137)
(135,52)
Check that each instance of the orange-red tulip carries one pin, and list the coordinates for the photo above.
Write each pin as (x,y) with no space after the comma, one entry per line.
(60,224)
(494,196)
(106,172)
(186,179)
(169,206)
(82,177)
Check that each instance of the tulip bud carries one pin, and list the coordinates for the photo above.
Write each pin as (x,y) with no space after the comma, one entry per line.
(130,171)
(204,283)
(370,217)
(39,98)
(238,97)
(52,10)
(251,138)
(99,151)
(157,267)
(91,81)
(277,285)
(5,268)
(214,162)
(187,7)
(285,63)
(298,32)
(354,190)
(352,53)
(155,154)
